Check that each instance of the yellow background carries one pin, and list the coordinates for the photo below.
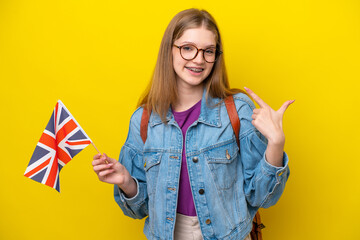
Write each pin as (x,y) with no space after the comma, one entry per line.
(97,57)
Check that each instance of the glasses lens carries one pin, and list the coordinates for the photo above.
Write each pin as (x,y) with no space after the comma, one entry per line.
(188,52)
(210,55)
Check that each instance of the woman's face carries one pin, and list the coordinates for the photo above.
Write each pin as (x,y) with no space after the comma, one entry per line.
(192,73)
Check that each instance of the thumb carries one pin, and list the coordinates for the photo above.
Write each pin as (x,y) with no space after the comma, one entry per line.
(285,106)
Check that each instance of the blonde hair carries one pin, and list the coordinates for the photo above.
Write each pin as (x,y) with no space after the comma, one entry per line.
(162,89)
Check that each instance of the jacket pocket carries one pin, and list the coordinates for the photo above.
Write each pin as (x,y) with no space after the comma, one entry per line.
(151,166)
(222,161)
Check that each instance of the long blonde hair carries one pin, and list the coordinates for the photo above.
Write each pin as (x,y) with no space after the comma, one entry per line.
(162,89)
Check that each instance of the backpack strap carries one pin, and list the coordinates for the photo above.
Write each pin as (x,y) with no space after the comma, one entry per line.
(256,233)
(145,122)
(234,117)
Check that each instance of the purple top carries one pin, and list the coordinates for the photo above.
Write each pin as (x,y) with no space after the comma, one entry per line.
(185,200)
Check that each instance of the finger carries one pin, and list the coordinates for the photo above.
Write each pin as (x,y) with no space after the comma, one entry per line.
(253,123)
(102,167)
(98,162)
(104,158)
(256,111)
(109,159)
(106,172)
(254,116)
(285,106)
(256,98)
(97,156)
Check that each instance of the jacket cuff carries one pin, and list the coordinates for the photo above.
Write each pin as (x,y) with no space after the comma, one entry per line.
(272,170)
(135,200)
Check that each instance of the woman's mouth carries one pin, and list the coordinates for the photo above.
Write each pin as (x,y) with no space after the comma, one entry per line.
(195,70)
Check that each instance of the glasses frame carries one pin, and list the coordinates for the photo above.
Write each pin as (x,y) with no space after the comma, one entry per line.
(217,53)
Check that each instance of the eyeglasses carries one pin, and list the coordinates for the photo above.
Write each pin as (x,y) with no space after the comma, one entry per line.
(189,52)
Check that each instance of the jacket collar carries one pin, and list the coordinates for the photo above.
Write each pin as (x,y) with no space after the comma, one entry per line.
(209,113)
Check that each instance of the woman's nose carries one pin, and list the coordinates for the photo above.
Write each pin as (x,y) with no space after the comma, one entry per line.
(199,57)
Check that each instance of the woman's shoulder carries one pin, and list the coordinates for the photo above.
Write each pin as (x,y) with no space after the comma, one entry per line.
(242,100)
(134,140)
(245,107)
(136,116)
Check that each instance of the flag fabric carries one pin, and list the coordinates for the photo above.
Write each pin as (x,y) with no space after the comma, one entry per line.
(61,140)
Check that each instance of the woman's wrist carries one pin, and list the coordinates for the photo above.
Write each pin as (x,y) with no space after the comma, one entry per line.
(277,139)
(129,188)
(274,153)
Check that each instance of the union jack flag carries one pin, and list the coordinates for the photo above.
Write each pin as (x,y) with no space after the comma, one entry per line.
(61,140)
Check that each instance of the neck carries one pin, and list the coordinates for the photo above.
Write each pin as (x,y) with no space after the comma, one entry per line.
(188,97)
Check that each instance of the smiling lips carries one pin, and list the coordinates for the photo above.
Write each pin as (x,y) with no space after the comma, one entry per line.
(195,70)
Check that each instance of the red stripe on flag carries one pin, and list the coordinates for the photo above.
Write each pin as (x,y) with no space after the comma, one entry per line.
(48,141)
(37,168)
(65,130)
(78,143)
(53,172)
(63,156)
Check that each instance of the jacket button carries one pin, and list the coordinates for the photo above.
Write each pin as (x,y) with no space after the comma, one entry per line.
(208,221)
(195,159)
(201,191)
(227,155)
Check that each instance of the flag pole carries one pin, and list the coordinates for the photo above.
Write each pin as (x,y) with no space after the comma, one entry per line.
(95,147)
(98,151)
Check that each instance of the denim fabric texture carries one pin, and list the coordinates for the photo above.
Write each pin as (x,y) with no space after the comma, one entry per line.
(228,185)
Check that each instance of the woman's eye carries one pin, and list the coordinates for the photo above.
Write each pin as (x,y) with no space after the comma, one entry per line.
(188,48)
(210,51)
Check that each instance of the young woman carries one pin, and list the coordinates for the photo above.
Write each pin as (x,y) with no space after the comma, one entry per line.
(189,177)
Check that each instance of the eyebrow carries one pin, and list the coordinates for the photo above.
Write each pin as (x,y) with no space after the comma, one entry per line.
(187,42)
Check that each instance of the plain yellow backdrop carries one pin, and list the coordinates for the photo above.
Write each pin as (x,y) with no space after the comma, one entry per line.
(97,57)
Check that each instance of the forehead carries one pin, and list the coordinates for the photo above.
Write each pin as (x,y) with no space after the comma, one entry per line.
(199,36)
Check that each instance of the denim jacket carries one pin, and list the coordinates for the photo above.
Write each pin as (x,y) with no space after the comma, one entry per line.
(228,185)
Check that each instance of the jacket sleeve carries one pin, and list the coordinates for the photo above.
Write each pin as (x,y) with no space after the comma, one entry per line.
(131,156)
(263,182)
